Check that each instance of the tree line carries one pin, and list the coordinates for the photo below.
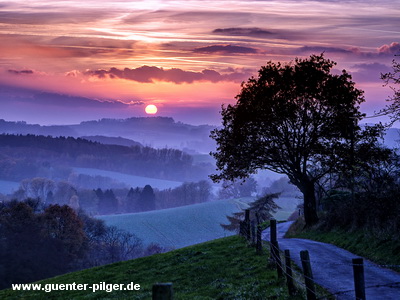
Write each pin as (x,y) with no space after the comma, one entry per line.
(44,241)
(112,201)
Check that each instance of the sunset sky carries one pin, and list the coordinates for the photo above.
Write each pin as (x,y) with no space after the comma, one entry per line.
(69,61)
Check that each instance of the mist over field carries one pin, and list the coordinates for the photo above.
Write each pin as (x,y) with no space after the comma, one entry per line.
(150,199)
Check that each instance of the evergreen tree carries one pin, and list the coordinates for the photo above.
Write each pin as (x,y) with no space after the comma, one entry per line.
(147,199)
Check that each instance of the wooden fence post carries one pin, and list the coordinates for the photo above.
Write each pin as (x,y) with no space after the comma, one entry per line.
(289,273)
(253,233)
(162,291)
(275,256)
(247,223)
(359,283)
(273,230)
(308,276)
(278,260)
(241,228)
(259,241)
(272,235)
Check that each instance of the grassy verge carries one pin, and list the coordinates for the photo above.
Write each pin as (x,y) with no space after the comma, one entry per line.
(221,269)
(379,249)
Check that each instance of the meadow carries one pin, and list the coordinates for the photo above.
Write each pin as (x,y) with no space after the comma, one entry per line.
(188,225)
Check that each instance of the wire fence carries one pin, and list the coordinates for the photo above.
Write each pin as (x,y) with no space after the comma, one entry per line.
(309,284)
(286,270)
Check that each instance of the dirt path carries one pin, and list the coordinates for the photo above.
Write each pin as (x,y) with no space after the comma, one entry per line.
(332,268)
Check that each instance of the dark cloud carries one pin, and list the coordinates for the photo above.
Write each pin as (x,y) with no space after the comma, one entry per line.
(149,74)
(237,31)
(22,72)
(319,49)
(226,49)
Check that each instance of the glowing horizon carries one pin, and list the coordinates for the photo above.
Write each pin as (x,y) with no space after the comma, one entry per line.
(189,55)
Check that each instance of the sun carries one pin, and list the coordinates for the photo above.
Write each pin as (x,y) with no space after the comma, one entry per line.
(151,109)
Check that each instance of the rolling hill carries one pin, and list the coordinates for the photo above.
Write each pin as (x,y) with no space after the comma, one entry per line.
(222,269)
(188,225)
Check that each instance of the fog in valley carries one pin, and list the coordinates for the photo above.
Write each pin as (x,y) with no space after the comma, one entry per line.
(139,183)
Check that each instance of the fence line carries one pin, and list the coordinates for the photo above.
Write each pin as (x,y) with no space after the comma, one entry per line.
(274,246)
(346,264)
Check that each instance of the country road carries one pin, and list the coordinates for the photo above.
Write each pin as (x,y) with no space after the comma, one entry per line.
(332,269)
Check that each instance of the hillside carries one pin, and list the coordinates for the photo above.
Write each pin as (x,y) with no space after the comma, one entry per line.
(110,140)
(221,269)
(178,227)
(25,156)
(188,225)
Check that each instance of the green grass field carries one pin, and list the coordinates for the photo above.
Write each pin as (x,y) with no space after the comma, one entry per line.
(188,225)
(130,180)
(221,269)
(8,187)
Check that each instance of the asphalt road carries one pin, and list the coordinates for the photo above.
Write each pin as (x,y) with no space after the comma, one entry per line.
(332,268)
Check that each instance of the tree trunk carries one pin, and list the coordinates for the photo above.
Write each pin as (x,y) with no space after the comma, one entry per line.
(310,203)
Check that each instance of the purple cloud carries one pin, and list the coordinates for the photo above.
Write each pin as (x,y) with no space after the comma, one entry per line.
(255,31)
(22,72)
(226,49)
(393,48)
(149,74)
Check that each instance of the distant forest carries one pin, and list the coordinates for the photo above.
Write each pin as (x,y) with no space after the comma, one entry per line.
(28,156)
(154,131)
(111,201)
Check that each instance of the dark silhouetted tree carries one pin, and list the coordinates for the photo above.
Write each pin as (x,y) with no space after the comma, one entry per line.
(393,109)
(147,198)
(112,201)
(64,231)
(118,245)
(108,203)
(20,241)
(290,120)
(36,245)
